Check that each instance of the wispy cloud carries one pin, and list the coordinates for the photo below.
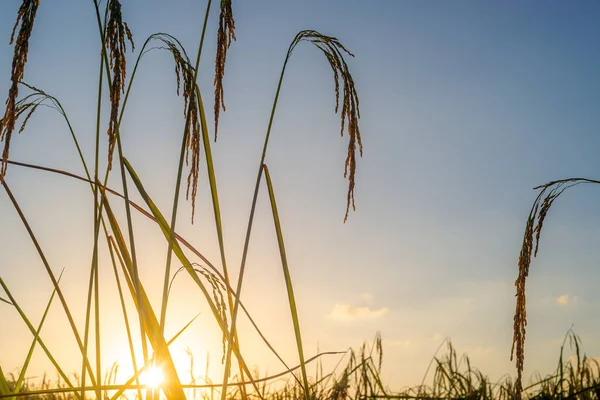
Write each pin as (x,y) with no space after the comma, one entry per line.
(347,312)
(565,300)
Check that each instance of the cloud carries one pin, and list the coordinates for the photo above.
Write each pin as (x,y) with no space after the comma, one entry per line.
(563,300)
(347,312)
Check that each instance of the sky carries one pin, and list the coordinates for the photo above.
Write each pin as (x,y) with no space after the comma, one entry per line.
(465,107)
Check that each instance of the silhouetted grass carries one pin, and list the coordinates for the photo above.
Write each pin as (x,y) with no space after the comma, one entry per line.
(117,236)
(358,377)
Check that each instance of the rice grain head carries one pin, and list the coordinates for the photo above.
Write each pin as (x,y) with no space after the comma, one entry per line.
(26,17)
(218,288)
(31,102)
(184,72)
(116,33)
(539,210)
(225,35)
(334,52)
(193,147)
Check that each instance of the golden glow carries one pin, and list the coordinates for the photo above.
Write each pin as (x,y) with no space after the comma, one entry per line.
(152,376)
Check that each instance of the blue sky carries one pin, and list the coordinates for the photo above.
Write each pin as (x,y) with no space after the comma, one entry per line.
(465,106)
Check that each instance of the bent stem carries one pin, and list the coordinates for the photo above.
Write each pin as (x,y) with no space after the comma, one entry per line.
(539,210)
(333,51)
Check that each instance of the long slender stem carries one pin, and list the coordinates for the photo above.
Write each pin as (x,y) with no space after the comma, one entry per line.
(178,237)
(163,310)
(249,228)
(288,281)
(125,193)
(52,278)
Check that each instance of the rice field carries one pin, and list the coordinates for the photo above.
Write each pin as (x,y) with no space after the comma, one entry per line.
(357,377)
(113,211)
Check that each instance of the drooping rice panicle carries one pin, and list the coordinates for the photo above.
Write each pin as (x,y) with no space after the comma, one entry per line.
(539,210)
(116,33)
(225,35)
(26,17)
(186,86)
(334,52)
(193,147)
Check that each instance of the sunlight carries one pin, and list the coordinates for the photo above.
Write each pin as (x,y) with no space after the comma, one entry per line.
(152,376)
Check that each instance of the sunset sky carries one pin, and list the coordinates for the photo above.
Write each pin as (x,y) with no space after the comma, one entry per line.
(465,107)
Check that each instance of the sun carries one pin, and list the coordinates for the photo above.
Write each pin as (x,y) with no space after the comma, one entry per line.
(152,376)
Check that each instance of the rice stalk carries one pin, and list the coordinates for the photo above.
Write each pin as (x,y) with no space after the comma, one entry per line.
(219,226)
(186,263)
(191,121)
(333,50)
(30,103)
(533,228)
(191,143)
(115,40)
(225,35)
(177,237)
(216,285)
(26,17)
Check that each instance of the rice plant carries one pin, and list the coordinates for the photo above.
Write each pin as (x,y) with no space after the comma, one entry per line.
(548,193)
(358,376)
(117,234)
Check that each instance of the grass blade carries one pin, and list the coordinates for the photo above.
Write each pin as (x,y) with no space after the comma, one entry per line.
(172,388)
(51,275)
(4,389)
(34,332)
(35,340)
(219,315)
(288,280)
(212,179)
(333,51)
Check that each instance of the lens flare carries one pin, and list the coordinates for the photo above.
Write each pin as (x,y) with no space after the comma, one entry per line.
(152,376)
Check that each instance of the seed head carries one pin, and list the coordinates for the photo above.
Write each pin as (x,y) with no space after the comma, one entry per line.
(225,35)
(26,17)
(334,52)
(184,73)
(116,33)
(539,211)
